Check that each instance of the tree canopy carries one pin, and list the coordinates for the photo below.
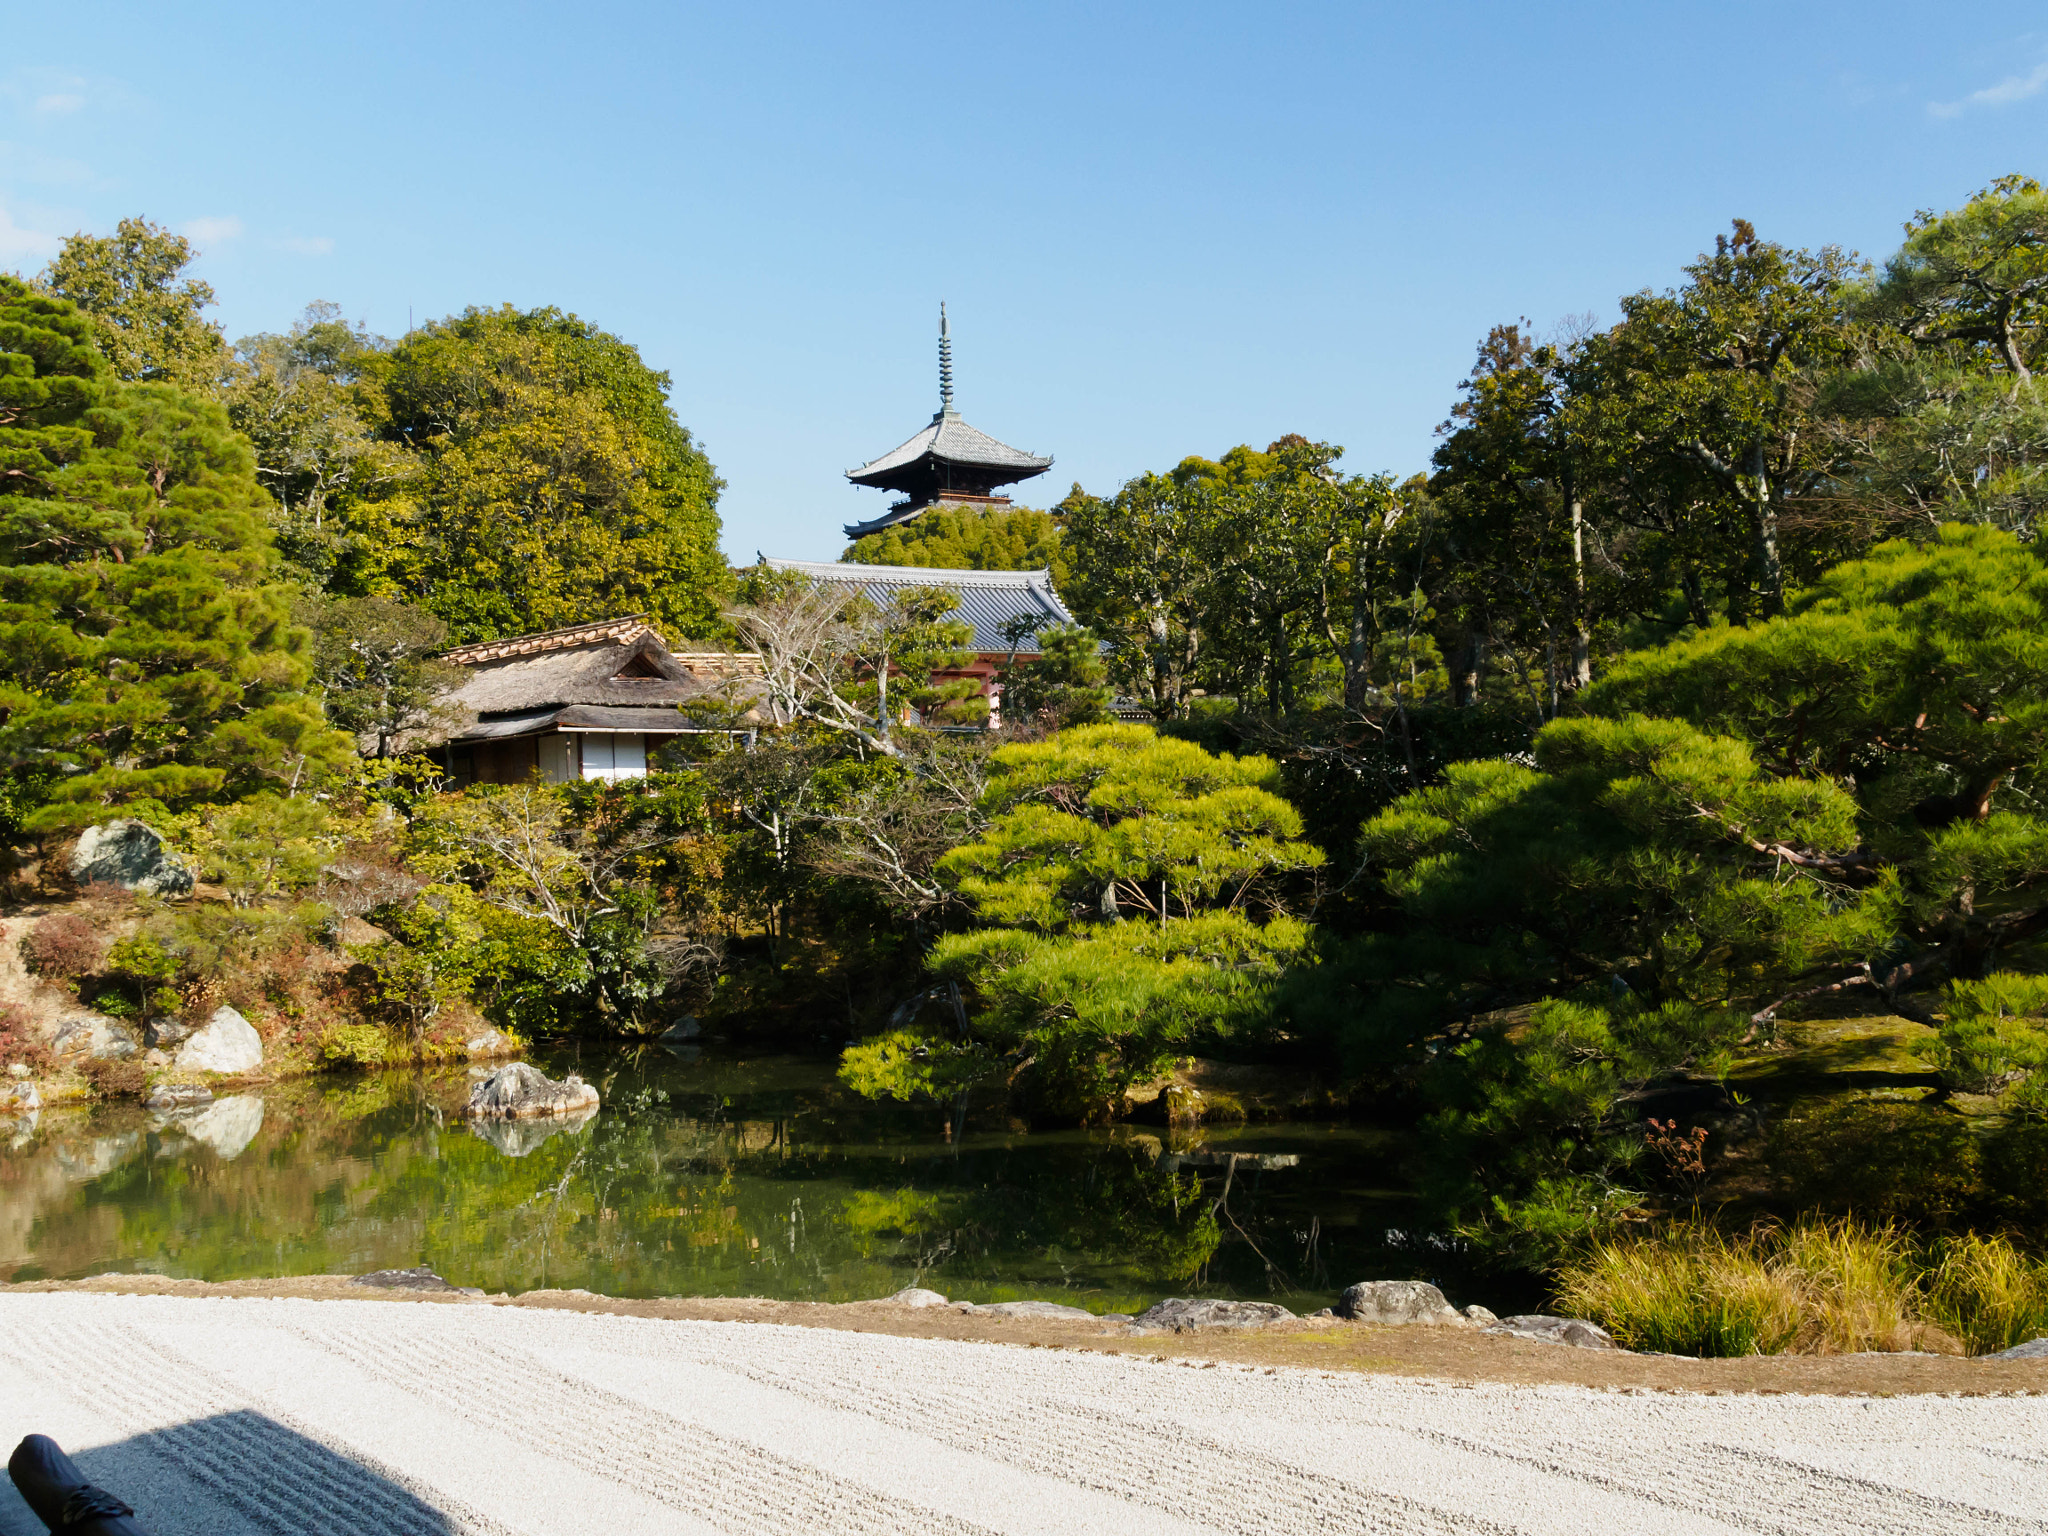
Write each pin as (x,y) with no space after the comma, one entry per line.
(149,662)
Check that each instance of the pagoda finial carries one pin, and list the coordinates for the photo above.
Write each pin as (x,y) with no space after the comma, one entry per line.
(945,363)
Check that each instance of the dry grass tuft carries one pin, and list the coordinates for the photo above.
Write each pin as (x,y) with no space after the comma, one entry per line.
(1814,1288)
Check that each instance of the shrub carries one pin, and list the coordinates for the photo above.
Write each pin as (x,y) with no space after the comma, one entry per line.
(63,948)
(116,1079)
(355,1045)
(19,1042)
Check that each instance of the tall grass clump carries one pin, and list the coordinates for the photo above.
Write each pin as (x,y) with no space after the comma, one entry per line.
(1989,1294)
(1688,1292)
(1818,1287)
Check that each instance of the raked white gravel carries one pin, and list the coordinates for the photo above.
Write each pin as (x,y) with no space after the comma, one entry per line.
(220,1417)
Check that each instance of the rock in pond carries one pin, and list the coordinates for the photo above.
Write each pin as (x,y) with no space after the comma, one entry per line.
(20,1098)
(520,1092)
(226,1043)
(915,1296)
(1182,1313)
(95,1035)
(2033,1349)
(1575,1332)
(132,855)
(1396,1301)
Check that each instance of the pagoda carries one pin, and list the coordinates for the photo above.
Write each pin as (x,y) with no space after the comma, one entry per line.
(949,463)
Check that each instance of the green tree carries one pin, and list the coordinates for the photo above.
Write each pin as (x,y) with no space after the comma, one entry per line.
(1977,275)
(145,319)
(1066,683)
(1117,886)
(957,538)
(376,664)
(303,399)
(1693,416)
(552,482)
(147,661)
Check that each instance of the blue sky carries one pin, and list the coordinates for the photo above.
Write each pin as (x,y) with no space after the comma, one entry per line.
(1160,229)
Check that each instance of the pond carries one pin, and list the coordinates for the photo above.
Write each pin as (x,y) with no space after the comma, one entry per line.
(719,1175)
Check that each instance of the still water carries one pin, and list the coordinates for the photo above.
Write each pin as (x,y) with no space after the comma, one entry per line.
(711,1177)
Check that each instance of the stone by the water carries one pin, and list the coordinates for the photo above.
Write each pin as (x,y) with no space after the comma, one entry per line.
(95,1035)
(520,1092)
(165,1031)
(916,1296)
(226,1043)
(132,855)
(491,1042)
(419,1279)
(1575,1332)
(1396,1302)
(684,1028)
(1181,1312)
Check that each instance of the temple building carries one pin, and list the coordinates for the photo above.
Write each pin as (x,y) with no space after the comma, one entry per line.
(949,463)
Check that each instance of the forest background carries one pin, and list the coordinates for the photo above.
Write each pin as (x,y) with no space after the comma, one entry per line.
(1700,682)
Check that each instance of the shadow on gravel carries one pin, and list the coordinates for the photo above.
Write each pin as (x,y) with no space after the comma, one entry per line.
(236,1473)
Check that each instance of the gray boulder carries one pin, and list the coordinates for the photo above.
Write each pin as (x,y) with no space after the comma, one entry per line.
(491,1042)
(132,855)
(684,1029)
(225,1043)
(1396,1301)
(1181,1313)
(165,1031)
(915,1296)
(1480,1315)
(420,1279)
(1575,1332)
(20,1099)
(178,1096)
(2033,1349)
(520,1092)
(95,1035)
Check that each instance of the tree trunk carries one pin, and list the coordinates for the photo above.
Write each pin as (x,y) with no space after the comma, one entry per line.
(1582,635)
(1770,571)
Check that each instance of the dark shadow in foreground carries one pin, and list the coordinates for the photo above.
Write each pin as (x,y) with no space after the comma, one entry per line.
(241,1472)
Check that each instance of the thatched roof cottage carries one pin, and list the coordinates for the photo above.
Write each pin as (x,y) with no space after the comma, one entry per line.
(587,702)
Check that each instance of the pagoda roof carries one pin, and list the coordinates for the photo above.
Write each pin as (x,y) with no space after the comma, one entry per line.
(953,441)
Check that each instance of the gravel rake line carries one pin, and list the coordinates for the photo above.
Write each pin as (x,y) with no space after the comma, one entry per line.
(1181,1472)
(1779,1497)
(253,1459)
(734,1484)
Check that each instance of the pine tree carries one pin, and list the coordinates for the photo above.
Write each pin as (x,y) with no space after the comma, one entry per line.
(144,661)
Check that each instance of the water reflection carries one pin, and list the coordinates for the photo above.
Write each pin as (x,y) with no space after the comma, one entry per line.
(700,1177)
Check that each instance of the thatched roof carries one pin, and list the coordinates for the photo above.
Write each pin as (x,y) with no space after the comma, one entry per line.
(615,675)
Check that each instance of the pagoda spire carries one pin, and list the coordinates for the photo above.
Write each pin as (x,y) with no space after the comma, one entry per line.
(945,364)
